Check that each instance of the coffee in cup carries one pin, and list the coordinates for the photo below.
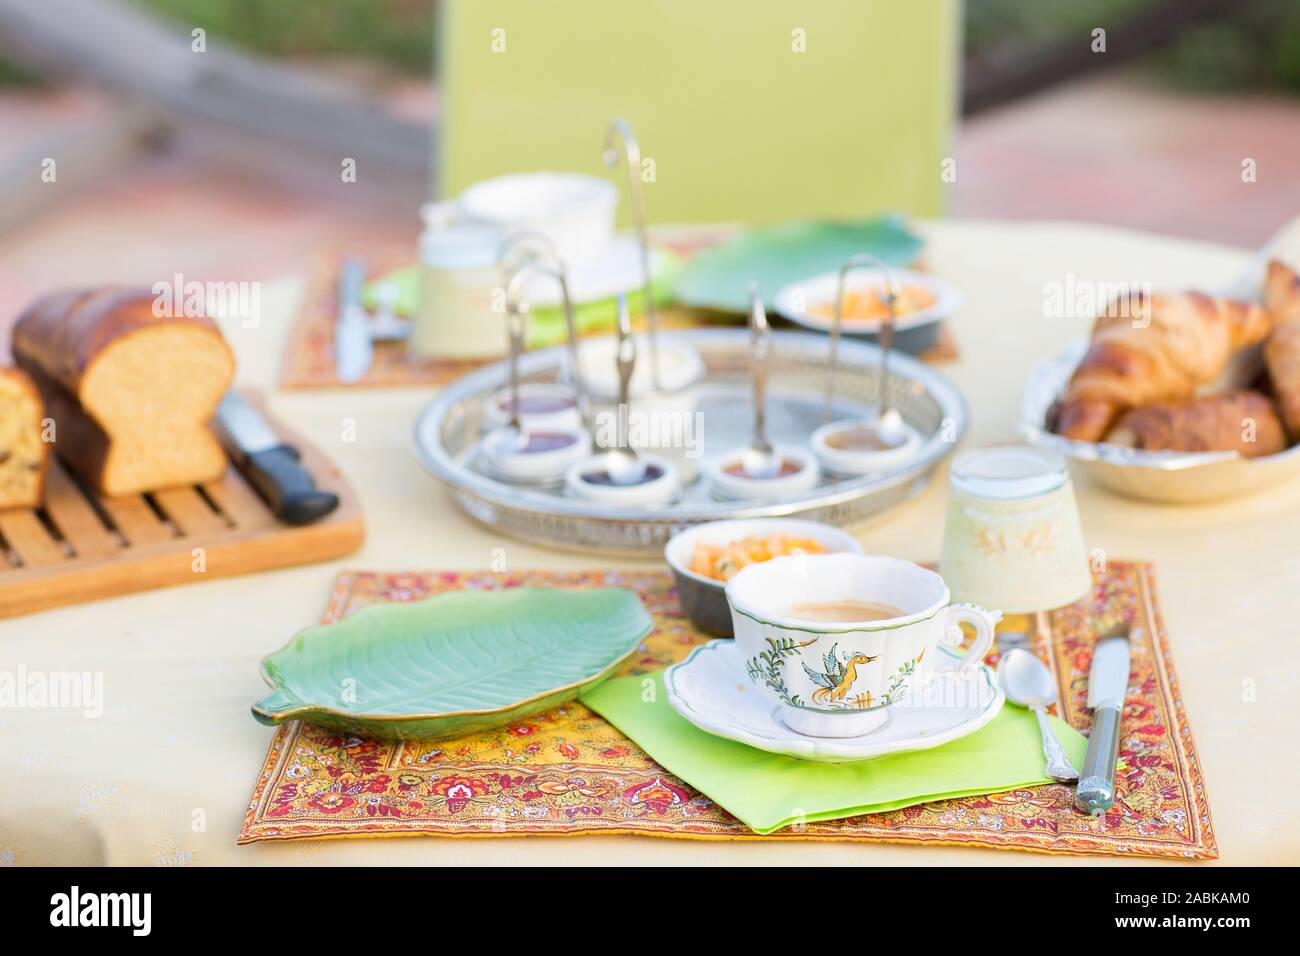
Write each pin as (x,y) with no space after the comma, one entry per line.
(836,639)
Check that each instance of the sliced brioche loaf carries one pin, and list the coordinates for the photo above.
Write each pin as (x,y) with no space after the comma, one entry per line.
(24,453)
(130,392)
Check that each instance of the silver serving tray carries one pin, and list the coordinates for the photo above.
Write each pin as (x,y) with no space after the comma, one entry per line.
(1166,476)
(448,429)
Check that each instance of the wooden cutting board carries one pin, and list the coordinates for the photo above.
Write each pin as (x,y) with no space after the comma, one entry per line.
(79,546)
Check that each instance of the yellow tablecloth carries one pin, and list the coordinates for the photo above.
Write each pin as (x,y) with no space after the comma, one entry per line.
(163,776)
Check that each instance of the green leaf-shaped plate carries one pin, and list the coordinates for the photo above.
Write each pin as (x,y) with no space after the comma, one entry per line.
(456,663)
(774,256)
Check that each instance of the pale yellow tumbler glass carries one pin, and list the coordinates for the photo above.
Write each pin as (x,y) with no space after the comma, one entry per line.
(1012,538)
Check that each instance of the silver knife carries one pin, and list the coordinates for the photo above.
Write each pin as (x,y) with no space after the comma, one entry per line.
(270,466)
(353,349)
(1107,686)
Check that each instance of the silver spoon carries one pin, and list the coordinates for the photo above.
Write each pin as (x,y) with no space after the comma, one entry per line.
(887,426)
(622,463)
(1028,683)
(760,459)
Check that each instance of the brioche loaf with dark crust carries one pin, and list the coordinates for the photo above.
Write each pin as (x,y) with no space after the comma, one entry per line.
(130,392)
(24,453)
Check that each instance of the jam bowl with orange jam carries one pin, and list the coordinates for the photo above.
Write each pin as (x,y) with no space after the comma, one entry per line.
(704,557)
(925,301)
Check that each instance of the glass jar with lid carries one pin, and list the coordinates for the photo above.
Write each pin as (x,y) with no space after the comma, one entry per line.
(1012,537)
(459,283)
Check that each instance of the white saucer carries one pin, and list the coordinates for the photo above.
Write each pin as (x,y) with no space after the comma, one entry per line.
(710,690)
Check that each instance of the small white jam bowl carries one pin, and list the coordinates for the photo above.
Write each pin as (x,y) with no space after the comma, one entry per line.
(503,461)
(496,411)
(728,485)
(659,491)
(846,462)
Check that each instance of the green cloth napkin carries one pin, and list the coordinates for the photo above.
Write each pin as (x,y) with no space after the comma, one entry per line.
(546,323)
(768,791)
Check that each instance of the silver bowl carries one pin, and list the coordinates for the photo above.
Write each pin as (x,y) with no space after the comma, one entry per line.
(1166,476)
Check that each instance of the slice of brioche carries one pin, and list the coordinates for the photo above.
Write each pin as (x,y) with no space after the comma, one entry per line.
(131,392)
(24,453)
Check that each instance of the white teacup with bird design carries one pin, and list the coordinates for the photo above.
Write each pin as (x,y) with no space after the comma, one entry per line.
(832,675)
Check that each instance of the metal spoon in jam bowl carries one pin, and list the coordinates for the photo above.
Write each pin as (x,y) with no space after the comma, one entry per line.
(760,459)
(623,465)
(1028,683)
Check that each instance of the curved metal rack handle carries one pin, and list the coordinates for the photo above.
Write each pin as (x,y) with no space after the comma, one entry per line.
(520,249)
(621,130)
(516,304)
(858,261)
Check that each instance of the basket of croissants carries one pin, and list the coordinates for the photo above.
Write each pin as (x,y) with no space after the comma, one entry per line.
(1180,397)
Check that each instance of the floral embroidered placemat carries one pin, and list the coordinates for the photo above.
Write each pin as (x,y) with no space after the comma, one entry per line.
(309,360)
(569,772)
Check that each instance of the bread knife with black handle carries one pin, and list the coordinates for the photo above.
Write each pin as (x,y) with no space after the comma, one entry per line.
(270,466)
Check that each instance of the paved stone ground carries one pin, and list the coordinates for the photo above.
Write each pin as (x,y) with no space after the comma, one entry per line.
(1122,152)
(1110,150)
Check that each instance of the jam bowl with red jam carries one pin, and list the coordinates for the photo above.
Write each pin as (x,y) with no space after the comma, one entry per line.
(657,482)
(728,477)
(532,455)
(543,406)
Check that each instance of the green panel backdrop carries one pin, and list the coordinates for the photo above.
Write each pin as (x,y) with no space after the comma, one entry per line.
(751,110)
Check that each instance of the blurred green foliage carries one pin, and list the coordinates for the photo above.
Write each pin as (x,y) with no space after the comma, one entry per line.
(396,33)
(998,29)
(1255,45)
(1258,46)
(12,76)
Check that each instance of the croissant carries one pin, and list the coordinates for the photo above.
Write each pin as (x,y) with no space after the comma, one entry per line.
(1282,350)
(1156,348)
(1242,421)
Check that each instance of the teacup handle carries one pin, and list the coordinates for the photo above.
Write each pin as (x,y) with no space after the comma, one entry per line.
(982,620)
